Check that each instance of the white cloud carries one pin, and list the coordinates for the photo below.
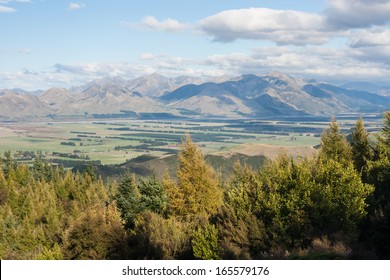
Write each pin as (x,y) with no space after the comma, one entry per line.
(76,6)
(285,27)
(379,54)
(370,38)
(281,26)
(64,75)
(357,13)
(4,9)
(148,56)
(170,25)
(324,64)
(94,70)
(151,23)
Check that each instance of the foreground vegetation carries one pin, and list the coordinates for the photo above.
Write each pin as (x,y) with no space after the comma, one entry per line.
(336,205)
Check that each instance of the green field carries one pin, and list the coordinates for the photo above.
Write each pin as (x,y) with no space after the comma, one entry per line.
(115,142)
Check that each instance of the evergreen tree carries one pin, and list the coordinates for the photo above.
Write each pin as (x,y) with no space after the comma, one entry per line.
(386,131)
(38,167)
(361,150)
(153,196)
(334,145)
(205,242)
(3,189)
(175,197)
(287,186)
(243,192)
(378,169)
(127,200)
(9,164)
(198,190)
(89,170)
(339,197)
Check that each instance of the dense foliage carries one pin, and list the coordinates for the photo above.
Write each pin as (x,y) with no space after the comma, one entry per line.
(336,205)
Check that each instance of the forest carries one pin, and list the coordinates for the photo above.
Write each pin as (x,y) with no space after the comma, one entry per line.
(333,206)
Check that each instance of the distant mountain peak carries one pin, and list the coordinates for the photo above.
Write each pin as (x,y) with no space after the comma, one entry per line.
(109,80)
(248,76)
(278,74)
(273,94)
(157,75)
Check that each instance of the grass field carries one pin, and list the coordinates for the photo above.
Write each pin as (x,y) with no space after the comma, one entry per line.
(115,142)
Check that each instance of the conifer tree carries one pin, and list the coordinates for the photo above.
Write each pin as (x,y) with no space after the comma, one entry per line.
(89,170)
(38,167)
(383,146)
(9,164)
(339,197)
(3,189)
(287,186)
(198,189)
(153,196)
(379,168)
(175,197)
(361,150)
(334,145)
(127,200)
(205,242)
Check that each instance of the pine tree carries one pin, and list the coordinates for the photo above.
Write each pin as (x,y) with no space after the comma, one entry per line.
(153,196)
(386,129)
(334,145)
(127,200)
(175,197)
(378,169)
(91,172)
(3,188)
(9,164)
(38,167)
(205,242)
(361,150)
(287,185)
(198,189)
(339,197)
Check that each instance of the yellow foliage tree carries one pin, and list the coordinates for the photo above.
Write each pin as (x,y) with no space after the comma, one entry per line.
(197,191)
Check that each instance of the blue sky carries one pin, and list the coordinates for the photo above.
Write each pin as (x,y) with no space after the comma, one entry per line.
(47,43)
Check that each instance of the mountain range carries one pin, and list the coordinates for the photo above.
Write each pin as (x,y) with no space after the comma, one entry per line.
(247,96)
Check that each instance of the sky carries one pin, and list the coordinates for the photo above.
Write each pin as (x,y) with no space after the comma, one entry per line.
(58,43)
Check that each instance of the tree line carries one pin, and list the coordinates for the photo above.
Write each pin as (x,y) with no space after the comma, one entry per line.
(335,205)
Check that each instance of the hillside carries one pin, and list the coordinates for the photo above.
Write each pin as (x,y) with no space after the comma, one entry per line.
(276,94)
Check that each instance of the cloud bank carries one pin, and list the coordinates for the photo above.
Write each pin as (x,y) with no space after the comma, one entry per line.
(280,26)
(345,14)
